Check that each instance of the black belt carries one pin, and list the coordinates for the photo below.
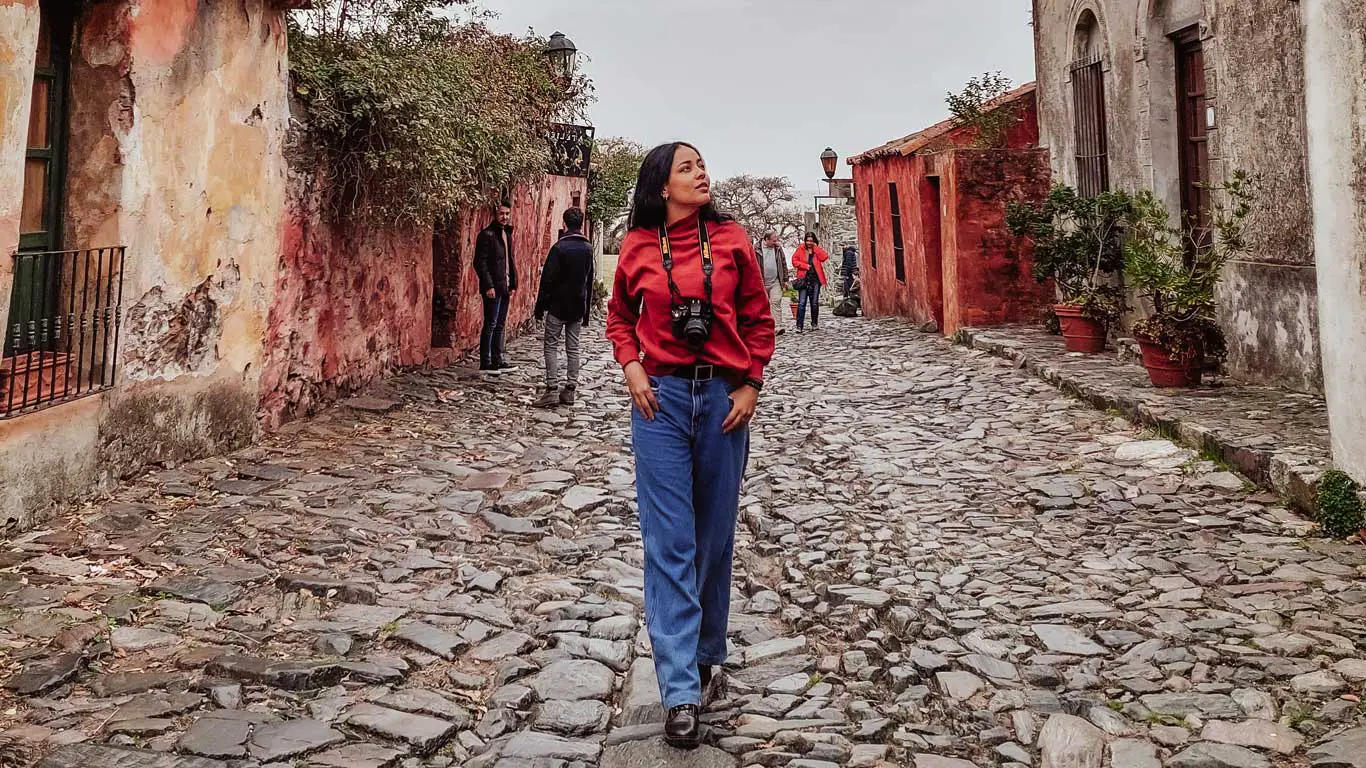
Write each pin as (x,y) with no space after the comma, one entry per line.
(704,373)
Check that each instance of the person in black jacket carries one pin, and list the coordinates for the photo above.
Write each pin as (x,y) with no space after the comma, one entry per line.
(849,267)
(564,301)
(496,264)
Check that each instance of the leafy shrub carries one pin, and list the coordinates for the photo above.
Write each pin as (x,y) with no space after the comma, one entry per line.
(1177,268)
(414,114)
(1079,245)
(972,106)
(1339,504)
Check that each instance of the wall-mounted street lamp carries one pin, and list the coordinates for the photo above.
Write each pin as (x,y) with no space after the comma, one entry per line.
(829,160)
(563,55)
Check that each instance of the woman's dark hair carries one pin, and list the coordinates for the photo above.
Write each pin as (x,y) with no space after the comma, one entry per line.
(648,209)
(812,237)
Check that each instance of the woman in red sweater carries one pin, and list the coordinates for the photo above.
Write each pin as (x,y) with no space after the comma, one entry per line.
(809,255)
(691,327)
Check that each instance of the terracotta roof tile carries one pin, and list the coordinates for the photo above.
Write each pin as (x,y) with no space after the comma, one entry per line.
(915,142)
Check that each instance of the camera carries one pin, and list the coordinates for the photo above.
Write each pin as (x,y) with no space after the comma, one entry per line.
(692,321)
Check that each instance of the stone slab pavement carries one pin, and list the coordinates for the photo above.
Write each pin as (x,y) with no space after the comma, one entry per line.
(1277,438)
(943,562)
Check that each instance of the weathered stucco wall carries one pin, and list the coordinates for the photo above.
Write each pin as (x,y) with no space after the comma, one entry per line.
(1336,100)
(1255,88)
(18,41)
(962,266)
(177,124)
(537,211)
(988,274)
(352,302)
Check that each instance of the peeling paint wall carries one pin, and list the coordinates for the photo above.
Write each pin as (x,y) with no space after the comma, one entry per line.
(177,118)
(351,303)
(18,41)
(537,211)
(1254,58)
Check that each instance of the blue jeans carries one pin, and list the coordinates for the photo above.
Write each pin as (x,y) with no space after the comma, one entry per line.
(491,336)
(811,296)
(688,490)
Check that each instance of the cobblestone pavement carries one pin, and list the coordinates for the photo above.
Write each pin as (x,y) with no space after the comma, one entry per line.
(943,563)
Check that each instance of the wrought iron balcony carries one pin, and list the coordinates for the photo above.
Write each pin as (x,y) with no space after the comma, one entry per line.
(571,149)
(62,336)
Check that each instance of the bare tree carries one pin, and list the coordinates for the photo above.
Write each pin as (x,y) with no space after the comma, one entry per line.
(761,204)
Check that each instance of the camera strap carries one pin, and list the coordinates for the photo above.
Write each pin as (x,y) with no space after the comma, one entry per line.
(666,252)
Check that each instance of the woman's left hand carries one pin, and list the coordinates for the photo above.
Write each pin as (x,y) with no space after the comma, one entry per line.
(743,402)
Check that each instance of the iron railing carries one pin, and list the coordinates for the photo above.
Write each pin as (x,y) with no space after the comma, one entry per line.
(1092,131)
(571,149)
(62,334)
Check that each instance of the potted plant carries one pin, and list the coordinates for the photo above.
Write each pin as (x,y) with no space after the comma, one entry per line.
(1175,270)
(1079,245)
(791,294)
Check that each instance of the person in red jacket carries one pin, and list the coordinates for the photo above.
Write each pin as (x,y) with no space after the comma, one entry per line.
(808,255)
(690,324)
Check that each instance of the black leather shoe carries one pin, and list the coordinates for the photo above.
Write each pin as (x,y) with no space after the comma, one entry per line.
(683,727)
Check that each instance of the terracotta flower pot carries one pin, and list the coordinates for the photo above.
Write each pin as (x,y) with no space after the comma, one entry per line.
(794,310)
(1168,370)
(1079,332)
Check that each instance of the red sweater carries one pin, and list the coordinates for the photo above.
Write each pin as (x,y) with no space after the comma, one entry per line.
(638,321)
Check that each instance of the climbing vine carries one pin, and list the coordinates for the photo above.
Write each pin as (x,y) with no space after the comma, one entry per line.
(415,108)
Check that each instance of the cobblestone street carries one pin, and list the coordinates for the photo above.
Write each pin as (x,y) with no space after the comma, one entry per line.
(943,562)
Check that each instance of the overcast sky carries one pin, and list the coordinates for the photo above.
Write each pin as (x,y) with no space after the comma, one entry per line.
(763,86)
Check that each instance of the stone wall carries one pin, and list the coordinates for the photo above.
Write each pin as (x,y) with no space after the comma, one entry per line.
(1254,57)
(837,227)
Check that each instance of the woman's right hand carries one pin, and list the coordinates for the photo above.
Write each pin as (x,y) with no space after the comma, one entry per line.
(642,394)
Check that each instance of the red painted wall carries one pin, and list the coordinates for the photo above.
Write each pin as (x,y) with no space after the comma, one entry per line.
(988,276)
(961,266)
(354,302)
(537,211)
(351,303)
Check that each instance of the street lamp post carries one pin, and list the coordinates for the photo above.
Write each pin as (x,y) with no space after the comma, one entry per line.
(829,162)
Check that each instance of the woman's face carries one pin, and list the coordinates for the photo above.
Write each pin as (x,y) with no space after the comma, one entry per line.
(689,184)
(810,242)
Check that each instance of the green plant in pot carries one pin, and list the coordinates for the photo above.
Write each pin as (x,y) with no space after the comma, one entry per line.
(1176,270)
(791,294)
(1079,245)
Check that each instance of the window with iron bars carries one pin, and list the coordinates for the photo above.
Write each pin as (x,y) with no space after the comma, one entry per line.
(872,227)
(898,241)
(1088,110)
(62,338)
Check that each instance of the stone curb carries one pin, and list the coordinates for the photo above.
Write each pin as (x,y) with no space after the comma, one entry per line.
(1286,474)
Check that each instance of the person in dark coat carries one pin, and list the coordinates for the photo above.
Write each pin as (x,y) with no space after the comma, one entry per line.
(564,302)
(495,262)
(849,267)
